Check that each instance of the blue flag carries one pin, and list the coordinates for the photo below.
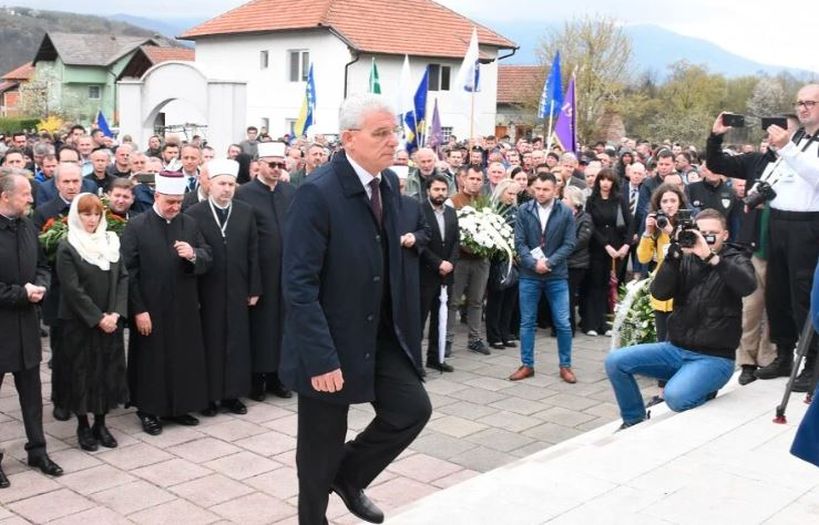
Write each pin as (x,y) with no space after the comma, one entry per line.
(308,106)
(416,119)
(102,124)
(551,101)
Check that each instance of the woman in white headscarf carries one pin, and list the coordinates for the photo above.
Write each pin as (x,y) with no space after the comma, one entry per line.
(89,374)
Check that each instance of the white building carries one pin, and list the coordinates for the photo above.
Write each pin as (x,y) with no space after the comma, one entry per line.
(269,44)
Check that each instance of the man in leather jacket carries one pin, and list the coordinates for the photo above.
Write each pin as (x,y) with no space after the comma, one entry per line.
(707,282)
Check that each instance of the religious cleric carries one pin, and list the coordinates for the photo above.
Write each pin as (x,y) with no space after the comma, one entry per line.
(165,253)
(231,287)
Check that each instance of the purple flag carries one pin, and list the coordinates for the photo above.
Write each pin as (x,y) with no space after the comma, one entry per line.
(436,136)
(565,125)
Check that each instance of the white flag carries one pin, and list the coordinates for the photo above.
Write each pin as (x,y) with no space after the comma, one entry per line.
(468,78)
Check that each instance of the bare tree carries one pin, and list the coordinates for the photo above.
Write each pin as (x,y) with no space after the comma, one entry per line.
(599,51)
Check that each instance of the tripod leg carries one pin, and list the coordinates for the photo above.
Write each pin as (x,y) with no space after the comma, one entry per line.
(801,349)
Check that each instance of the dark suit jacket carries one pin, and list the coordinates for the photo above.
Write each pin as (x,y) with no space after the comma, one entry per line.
(412,221)
(439,250)
(333,270)
(47,191)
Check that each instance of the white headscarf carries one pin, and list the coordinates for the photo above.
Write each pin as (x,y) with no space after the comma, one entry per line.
(100,248)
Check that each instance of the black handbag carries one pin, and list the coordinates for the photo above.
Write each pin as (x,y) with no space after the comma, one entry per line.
(502,275)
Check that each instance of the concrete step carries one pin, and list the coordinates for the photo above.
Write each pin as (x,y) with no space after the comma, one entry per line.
(723,463)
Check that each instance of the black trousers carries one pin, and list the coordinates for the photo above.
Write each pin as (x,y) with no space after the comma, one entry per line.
(402,408)
(596,314)
(576,277)
(30,392)
(430,304)
(500,306)
(793,249)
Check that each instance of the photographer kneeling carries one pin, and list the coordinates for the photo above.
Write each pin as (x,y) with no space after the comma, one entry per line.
(707,280)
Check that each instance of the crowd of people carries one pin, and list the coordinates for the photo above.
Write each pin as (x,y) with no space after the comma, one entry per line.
(232,273)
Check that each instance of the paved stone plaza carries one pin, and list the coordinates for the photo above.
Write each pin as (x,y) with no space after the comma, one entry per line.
(242,468)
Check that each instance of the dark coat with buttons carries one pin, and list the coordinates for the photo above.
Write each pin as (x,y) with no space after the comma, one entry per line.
(333,277)
(21,261)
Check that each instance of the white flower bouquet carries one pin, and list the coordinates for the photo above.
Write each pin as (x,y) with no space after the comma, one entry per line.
(485,233)
(634,316)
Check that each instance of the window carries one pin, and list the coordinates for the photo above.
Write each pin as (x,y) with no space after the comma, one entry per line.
(446,131)
(439,77)
(94,92)
(263,59)
(299,60)
(290,125)
(265,125)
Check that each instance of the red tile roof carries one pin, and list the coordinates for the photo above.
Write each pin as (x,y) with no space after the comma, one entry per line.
(24,72)
(414,27)
(519,84)
(158,54)
(8,85)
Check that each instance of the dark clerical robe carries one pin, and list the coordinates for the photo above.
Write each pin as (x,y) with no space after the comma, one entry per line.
(267,318)
(223,294)
(166,369)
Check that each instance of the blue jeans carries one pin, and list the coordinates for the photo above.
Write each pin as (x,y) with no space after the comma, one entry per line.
(557,293)
(691,376)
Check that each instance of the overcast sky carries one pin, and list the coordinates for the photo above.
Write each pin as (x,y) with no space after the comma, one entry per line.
(781,32)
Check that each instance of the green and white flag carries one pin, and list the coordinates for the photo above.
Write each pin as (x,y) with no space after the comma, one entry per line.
(375,84)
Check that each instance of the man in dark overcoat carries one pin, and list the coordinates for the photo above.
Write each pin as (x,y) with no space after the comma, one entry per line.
(230,288)
(24,279)
(165,252)
(437,262)
(270,198)
(349,337)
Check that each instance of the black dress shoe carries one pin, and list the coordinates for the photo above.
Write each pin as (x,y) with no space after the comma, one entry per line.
(45,464)
(211,411)
(150,424)
(279,390)
(497,346)
(86,439)
(61,414)
(234,406)
(184,420)
(747,375)
(441,367)
(257,393)
(510,344)
(4,481)
(104,436)
(358,503)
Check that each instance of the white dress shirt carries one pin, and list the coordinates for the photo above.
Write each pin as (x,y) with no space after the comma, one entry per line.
(543,213)
(798,186)
(364,176)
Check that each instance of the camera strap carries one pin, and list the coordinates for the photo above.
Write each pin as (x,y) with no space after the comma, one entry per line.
(774,174)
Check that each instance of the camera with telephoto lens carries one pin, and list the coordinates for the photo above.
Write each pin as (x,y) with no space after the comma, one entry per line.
(761,193)
(685,229)
(662,219)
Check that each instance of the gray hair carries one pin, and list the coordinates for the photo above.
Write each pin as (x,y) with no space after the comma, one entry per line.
(8,179)
(43,149)
(355,107)
(501,188)
(568,156)
(104,151)
(62,166)
(575,196)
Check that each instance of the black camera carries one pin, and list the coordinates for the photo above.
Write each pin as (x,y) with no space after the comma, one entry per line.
(759,194)
(662,219)
(685,229)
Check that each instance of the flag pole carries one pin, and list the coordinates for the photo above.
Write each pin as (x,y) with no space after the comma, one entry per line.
(551,117)
(472,118)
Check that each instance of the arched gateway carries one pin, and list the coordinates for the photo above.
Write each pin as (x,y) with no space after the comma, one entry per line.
(221,103)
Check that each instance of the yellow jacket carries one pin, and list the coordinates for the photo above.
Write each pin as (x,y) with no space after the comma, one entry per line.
(651,249)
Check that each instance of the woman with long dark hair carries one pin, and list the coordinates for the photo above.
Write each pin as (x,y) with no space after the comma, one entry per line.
(579,259)
(89,370)
(608,249)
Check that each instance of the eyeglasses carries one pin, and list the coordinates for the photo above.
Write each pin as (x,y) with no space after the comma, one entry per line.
(807,104)
(276,165)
